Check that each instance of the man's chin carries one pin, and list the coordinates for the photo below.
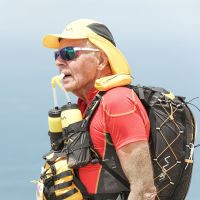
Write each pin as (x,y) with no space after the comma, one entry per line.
(69,87)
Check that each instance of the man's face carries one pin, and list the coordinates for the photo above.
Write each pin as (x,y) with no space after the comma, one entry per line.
(80,73)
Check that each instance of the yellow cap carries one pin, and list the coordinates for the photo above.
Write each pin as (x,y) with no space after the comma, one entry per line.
(99,35)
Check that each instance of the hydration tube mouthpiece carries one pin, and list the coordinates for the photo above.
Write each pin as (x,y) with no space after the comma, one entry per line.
(57,80)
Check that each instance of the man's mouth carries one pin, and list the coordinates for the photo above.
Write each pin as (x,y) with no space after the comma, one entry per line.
(67,76)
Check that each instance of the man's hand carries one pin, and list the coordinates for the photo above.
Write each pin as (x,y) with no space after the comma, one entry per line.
(136,164)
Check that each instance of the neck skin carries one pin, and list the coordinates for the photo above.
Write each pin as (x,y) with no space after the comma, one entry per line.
(83,93)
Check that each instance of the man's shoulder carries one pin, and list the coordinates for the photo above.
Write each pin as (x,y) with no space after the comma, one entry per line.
(119,95)
(117,92)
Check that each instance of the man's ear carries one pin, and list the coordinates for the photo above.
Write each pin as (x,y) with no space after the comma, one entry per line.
(103,61)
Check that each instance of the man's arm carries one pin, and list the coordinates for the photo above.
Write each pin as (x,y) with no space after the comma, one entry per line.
(136,164)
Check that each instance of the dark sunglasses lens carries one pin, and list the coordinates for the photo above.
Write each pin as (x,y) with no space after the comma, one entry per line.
(56,54)
(67,53)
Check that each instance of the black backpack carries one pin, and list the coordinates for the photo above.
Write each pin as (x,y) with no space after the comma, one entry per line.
(172,137)
(171,141)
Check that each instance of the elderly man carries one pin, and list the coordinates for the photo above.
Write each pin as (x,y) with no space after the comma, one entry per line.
(88,57)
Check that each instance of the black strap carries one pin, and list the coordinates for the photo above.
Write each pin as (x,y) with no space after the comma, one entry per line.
(63,196)
(80,186)
(92,107)
(53,188)
(105,196)
(58,177)
(62,185)
(62,175)
(113,173)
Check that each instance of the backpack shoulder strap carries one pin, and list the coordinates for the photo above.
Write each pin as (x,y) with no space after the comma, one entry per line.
(92,107)
(89,113)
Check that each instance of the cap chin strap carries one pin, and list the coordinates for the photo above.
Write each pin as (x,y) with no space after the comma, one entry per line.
(109,82)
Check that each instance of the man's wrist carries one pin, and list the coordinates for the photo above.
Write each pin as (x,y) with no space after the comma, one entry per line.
(148,194)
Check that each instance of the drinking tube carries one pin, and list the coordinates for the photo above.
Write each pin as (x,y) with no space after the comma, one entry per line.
(57,80)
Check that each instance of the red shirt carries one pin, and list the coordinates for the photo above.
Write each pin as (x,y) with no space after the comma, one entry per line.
(122,115)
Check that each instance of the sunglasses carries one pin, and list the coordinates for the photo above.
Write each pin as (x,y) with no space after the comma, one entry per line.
(70,53)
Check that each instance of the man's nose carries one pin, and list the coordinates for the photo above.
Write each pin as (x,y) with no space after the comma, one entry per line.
(60,63)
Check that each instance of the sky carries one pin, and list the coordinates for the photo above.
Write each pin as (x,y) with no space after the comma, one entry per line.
(159,38)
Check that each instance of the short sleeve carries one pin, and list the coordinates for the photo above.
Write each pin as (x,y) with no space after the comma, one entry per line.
(125,117)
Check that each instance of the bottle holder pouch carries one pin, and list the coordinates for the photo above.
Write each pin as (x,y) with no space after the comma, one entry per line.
(77,144)
(56,141)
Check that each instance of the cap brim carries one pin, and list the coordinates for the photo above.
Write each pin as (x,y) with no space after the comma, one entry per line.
(51,40)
